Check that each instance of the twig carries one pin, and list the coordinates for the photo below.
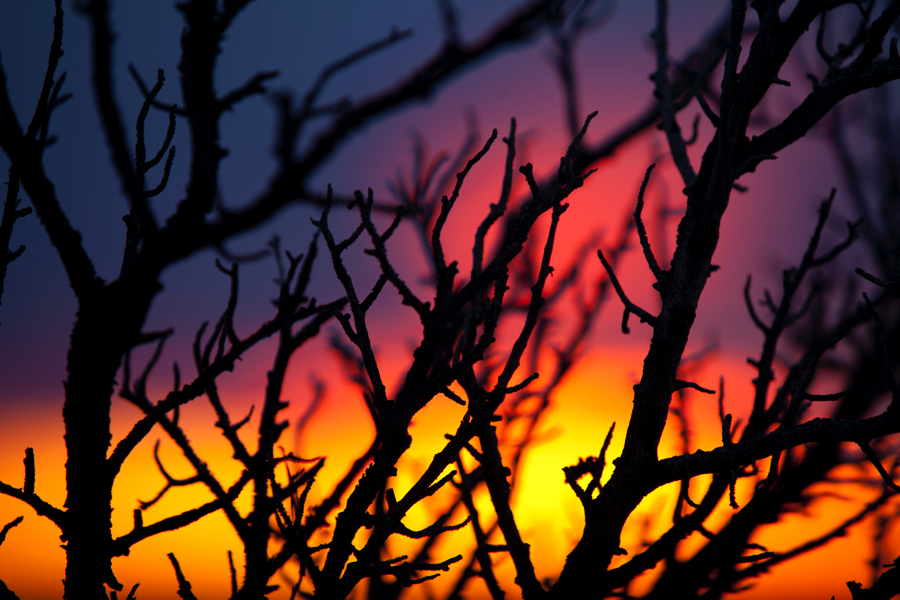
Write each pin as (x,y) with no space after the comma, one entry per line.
(630,307)
(666,101)
(184,586)
(9,526)
(876,462)
(642,234)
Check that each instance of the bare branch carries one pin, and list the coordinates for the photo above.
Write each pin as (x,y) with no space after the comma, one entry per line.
(9,526)
(630,307)
(876,462)
(642,233)
(184,586)
(666,101)
(27,495)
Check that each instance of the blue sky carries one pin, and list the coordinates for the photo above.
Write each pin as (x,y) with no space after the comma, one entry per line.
(298,38)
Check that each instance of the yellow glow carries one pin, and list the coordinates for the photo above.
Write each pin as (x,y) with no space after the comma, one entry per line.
(549,516)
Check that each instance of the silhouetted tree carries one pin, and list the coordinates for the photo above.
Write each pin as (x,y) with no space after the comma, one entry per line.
(460,346)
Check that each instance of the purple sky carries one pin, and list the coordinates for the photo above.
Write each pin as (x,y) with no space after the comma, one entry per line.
(768,225)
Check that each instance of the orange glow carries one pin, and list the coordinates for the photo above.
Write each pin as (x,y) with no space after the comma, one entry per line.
(597,393)
(548,513)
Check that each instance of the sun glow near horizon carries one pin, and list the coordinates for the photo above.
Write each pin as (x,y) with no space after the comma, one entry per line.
(596,393)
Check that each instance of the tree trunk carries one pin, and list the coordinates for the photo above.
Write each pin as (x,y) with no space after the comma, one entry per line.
(107,323)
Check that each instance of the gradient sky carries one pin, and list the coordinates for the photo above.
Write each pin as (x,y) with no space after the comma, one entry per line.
(764,231)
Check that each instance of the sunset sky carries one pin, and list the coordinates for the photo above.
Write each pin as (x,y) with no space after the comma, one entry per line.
(764,231)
